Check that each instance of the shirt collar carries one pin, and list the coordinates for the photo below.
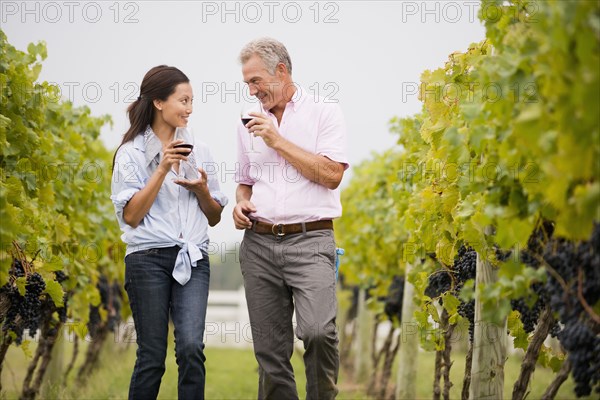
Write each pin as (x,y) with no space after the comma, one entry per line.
(298,97)
(296,101)
(149,144)
(152,145)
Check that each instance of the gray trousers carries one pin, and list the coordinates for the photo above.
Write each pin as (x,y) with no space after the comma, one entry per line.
(280,274)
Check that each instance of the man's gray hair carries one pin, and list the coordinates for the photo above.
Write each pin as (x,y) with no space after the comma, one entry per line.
(271,51)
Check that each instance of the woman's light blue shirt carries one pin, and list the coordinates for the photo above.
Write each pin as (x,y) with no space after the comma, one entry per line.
(175,217)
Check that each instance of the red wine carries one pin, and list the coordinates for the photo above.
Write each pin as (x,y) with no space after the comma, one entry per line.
(246,120)
(184,146)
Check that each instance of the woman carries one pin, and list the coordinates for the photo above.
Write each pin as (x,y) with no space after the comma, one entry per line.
(164,219)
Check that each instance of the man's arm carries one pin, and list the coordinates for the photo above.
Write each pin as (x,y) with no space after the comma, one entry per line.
(314,167)
(139,205)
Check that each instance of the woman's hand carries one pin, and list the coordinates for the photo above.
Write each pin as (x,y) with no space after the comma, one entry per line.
(207,204)
(172,155)
(197,186)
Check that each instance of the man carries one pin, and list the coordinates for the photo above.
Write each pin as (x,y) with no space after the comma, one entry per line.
(292,158)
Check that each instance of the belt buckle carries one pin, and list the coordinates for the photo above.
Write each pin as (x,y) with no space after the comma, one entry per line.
(280,232)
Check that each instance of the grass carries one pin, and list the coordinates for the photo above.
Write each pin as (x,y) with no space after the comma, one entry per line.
(232,374)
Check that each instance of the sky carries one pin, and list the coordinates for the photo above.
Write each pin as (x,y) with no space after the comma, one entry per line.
(365,55)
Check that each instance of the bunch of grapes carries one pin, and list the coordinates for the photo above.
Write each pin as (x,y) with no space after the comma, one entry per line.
(28,311)
(466,309)
(577,265)
(23,312)
(454,279)
(439,283)
(565,260)
(529,314)
(12,319)
(465,267)
(110,300)
(393,301)
(114,317)
(17,269)
(33,302)
(530,307)
(60,277)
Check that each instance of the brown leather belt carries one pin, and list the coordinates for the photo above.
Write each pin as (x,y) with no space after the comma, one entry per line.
(288,229)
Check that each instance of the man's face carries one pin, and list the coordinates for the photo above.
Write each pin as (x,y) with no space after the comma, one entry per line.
(265,87)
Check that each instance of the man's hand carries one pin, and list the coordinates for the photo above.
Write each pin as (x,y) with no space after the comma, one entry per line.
(240,214)
(261,126)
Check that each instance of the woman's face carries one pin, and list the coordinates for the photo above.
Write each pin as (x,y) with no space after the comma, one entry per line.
(177,108)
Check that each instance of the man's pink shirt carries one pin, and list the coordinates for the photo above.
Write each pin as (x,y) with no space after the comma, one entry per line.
(280,193)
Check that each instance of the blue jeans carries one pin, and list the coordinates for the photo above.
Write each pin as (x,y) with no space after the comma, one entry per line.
(153,295)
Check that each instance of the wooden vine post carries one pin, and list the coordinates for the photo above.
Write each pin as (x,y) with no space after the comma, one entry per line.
(489,343)
(362,349)
(409,346)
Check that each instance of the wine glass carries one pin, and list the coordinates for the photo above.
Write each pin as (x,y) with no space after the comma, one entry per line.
(183,133)
(247,108)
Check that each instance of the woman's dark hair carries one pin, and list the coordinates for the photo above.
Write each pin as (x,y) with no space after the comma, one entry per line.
(158,84)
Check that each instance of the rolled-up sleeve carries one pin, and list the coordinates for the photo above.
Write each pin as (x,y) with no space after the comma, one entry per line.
(217,195)
(212,173)
(242,174)
(332,135)
(126,182)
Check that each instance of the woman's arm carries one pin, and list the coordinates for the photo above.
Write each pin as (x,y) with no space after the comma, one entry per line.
(139,205)
(209,206)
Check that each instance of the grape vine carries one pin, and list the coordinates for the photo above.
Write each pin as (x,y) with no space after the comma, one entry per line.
(480,169)
(58,234)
